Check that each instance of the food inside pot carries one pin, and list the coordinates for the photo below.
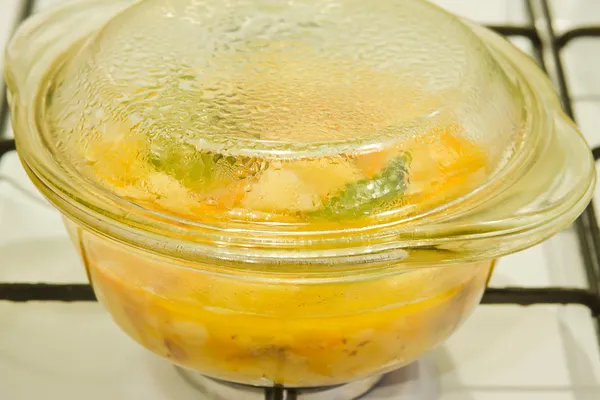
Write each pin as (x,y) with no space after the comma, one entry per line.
(260,331)
(157,161)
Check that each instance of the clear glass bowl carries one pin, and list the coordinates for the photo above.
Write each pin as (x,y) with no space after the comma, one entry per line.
(288,193)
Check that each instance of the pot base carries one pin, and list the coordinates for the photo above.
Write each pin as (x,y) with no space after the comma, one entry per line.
(412,382)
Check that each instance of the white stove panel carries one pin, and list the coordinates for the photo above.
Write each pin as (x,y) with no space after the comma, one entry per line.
(74,351)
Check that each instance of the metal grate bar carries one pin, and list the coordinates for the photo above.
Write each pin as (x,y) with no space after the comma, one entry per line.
(24,11)
(23,292)
(586,226)
(275,393)
(546,295)
(6,146)
(576,33)
(516,30)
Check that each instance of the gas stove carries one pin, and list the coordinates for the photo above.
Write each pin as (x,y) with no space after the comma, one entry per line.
(535,337)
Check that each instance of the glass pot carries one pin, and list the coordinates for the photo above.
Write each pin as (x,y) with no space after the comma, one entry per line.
(257,284)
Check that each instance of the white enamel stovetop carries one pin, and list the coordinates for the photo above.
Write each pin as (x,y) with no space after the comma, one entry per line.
(56,351)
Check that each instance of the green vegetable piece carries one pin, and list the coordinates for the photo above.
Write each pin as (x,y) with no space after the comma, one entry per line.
(198,170)
(194,169)
(361,197)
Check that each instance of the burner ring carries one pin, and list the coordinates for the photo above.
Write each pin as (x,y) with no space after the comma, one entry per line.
(416,381)
(216,389)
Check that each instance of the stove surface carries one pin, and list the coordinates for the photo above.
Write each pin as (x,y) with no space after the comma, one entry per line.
(72,350)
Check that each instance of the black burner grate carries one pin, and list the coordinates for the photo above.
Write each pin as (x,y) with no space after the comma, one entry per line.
(547,45)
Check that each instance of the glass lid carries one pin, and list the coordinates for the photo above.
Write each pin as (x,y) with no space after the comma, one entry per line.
(296,112)
(333,128)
